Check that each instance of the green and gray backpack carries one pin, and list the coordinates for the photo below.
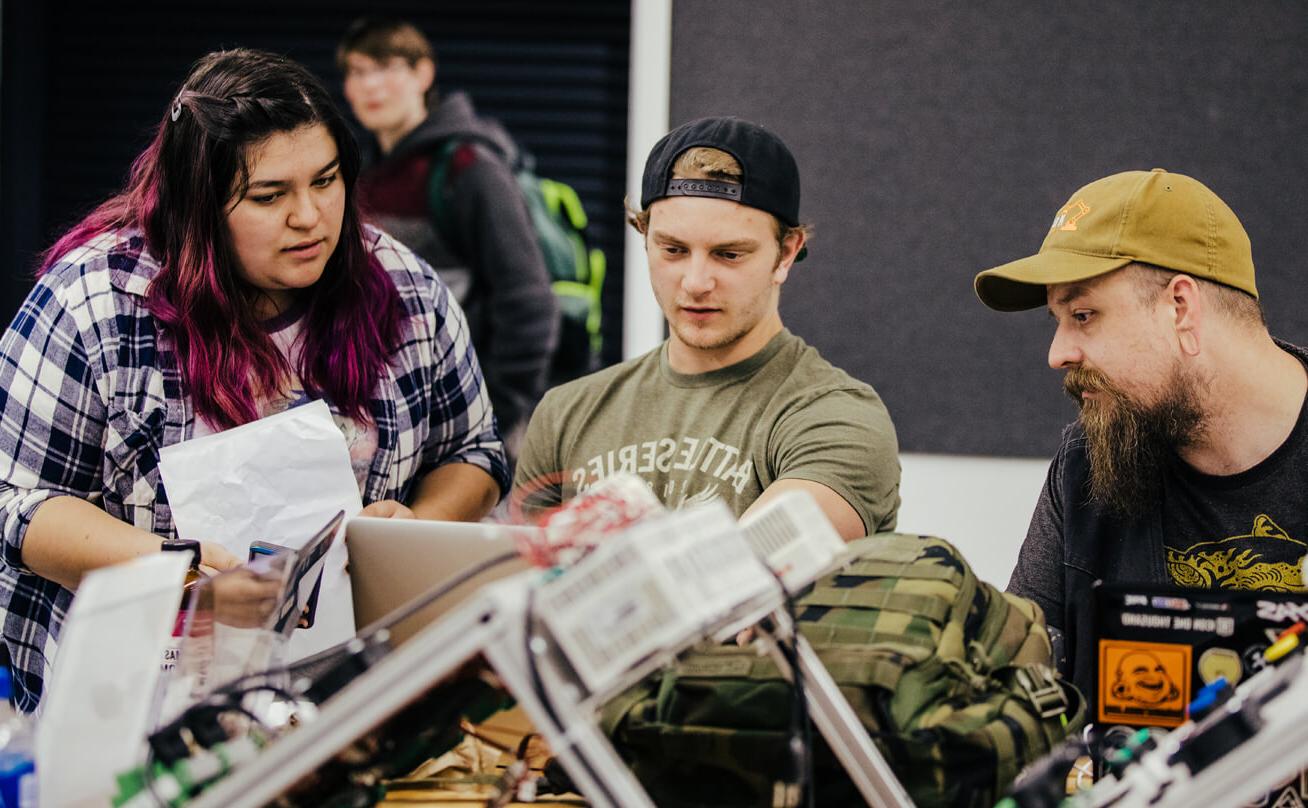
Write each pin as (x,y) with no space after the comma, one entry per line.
(576,268)
(949,675)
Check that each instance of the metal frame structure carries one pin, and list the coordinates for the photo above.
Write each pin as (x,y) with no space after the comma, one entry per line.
(495,626)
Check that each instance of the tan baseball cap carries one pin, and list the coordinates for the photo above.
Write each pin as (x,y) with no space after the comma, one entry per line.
(1154,217)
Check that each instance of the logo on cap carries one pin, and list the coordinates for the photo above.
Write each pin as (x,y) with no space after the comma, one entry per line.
(1067,218)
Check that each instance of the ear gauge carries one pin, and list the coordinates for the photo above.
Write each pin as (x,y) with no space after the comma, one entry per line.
(177,108)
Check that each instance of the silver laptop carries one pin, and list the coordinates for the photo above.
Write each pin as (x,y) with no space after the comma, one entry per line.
(394,561)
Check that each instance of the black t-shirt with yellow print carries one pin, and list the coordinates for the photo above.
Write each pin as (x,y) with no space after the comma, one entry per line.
(1241,531)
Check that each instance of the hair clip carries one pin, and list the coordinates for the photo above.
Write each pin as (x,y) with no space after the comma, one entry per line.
(177,108)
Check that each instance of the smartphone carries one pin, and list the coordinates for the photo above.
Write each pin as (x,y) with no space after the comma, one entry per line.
(263,548)
(266,548)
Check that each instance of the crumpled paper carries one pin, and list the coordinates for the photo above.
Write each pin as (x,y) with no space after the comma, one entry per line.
(278,479)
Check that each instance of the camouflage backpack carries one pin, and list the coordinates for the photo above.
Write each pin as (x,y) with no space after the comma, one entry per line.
(949,675)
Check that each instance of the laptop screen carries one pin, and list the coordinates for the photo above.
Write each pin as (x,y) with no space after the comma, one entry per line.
(394,561)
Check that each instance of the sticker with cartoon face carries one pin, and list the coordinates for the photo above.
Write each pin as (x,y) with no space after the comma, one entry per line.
(1143,682)
(1142,678)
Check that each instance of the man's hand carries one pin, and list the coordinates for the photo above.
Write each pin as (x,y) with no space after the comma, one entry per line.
(388,509)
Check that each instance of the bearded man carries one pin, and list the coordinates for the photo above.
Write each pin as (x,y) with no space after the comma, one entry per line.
(1186,464)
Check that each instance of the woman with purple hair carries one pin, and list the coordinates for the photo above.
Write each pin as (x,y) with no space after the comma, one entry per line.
(230,279)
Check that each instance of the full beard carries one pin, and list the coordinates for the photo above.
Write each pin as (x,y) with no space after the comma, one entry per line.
(1129,441)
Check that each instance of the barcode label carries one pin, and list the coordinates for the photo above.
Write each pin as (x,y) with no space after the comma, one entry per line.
(581,583)
(657,586)
(622,638)
(705,552)
(772,533)
(794,537)
(611,610)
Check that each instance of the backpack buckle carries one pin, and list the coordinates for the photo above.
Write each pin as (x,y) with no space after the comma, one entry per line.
(1043,690)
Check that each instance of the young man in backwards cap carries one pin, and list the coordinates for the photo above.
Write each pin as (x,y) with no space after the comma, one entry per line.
(731,405)
(1189,461)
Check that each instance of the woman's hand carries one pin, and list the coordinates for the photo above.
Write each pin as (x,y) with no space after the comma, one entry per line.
(388,509)
(216,558)
(244,599)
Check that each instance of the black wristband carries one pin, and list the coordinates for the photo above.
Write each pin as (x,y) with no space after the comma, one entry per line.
(182,545)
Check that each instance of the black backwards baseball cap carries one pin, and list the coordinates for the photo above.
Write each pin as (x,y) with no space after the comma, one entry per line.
(769,177)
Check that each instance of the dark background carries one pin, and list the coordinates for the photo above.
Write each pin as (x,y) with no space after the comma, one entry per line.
(936,139)
(84,84)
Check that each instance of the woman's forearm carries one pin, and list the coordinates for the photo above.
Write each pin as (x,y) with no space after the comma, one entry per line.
(459,492)
(69,536)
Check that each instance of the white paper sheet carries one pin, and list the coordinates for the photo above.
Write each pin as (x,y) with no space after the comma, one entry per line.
(278,479)
(96,711)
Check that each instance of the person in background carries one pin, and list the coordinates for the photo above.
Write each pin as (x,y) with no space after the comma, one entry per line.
(731,406)
(1183,465)
(230,279)
(484,246)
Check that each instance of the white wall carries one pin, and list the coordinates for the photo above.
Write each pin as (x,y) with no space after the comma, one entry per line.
(647,120)
(981,505)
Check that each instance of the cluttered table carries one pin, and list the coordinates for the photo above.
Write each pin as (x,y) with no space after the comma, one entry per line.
(473,773)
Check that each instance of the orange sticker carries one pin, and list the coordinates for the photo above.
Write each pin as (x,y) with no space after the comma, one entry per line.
(1067,218)
(1143,683)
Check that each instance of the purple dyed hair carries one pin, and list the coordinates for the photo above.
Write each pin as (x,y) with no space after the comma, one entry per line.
(179,192)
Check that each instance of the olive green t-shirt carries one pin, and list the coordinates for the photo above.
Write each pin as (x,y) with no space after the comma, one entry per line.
(784,413)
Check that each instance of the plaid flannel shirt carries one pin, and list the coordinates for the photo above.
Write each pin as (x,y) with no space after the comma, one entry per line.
(90,392)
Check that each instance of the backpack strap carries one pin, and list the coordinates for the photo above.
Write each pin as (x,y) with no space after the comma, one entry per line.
(613,714)
(1040,687)
(848,666)
(927,606)
(438,202)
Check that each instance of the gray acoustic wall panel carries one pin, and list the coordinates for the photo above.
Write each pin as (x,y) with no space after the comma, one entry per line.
(936,139)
